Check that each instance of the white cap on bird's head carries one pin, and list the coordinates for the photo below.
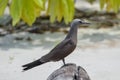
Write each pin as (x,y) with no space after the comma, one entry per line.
(77,22)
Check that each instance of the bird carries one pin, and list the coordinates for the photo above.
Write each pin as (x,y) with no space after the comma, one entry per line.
(61,50)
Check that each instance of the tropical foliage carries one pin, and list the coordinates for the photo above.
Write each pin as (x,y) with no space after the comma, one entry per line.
(29,10)
(110,5)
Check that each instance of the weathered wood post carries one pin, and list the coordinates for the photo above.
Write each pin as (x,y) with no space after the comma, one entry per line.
(69,72)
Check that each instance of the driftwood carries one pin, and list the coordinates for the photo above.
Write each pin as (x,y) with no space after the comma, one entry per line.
(69,72)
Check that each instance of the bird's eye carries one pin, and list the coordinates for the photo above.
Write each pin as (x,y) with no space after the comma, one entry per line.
(80,21)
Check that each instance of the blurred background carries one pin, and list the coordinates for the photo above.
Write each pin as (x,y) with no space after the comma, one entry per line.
(30,29)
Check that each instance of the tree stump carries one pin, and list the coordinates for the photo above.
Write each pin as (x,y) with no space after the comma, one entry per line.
(69,72)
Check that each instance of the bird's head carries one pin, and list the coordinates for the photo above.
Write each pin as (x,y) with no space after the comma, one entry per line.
(77,22)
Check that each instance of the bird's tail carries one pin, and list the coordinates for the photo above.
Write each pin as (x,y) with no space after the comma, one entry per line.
(31,65)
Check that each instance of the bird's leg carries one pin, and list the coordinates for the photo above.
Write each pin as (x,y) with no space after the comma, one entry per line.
(63,61)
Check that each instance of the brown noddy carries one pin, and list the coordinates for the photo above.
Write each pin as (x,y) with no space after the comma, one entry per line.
(63,49)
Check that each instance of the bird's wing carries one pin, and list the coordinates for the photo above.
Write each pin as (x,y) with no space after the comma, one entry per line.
(55,52)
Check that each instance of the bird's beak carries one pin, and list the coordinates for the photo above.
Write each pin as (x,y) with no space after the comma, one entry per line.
(85,23)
